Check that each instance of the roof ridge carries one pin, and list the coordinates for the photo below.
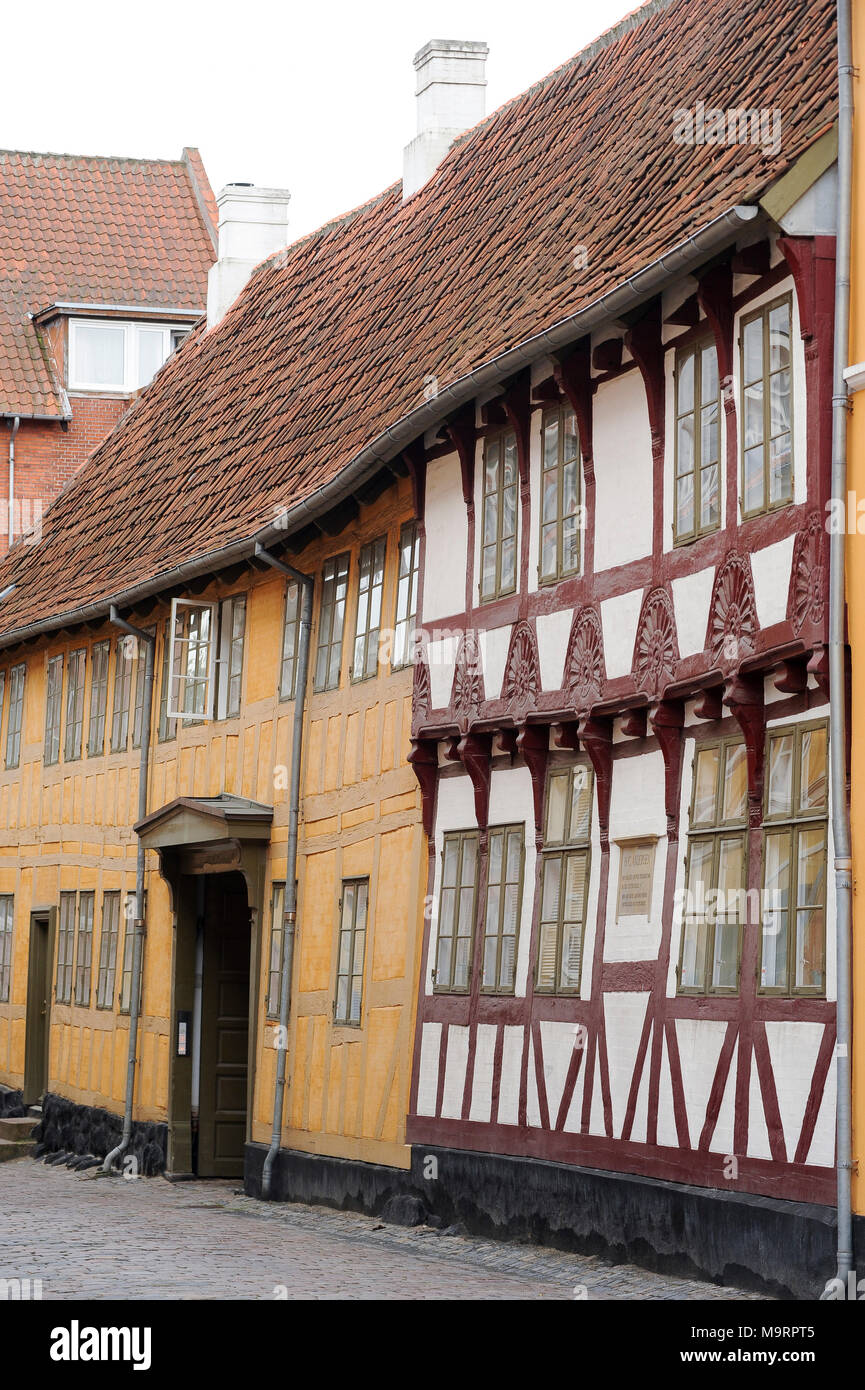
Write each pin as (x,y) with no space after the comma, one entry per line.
(93,158)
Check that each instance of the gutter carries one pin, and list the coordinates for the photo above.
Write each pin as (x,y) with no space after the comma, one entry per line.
(840,813)
(290,902)
(687,256)
(138,924)
(11,518)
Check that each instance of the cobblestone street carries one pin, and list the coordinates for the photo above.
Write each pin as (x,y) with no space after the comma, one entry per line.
(92,1237)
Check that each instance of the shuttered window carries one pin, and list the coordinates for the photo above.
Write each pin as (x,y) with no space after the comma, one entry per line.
(457,904)
(502,916)
(65,948)
(793,945)
(7,912)
(352,945)
(566,861)
(715,899)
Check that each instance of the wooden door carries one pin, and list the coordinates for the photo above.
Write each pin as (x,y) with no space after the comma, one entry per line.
(224,1028)
(38,1019)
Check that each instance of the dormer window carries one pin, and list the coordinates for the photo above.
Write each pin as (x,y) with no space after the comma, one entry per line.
(107,355)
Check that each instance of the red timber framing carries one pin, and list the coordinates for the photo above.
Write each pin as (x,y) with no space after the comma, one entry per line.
(481,731)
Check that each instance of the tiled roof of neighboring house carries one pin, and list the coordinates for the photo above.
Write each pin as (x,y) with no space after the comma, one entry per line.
(105,231)
(334,341)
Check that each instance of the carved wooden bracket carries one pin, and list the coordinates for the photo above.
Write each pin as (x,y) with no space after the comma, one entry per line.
(460,430)
(566,736)
(792,676)
(744,696)
(475,751)
(452,748)
(715,295)
(634,722)
(424,760)
(573,373)
(710,703)
(607,356)
(645,343)
(818,667)
(752,260)
(798,252)
(668,721)
(415,459)
(507,740)
(533,744)
(596,736)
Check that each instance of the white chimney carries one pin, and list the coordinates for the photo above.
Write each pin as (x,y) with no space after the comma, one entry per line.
(253,223)
(450,99)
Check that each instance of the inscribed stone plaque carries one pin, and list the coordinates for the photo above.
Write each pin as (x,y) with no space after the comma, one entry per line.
(636,871)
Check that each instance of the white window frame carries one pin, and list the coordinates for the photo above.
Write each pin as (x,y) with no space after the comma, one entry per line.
(176,678)
(131,329)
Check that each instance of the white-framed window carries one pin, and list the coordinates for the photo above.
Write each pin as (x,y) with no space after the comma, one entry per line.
(110,355)
(192,658)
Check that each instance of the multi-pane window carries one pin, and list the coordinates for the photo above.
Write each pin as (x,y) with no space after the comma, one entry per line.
(767,421)
(84,949)
(564,879)
(499,516)
(16,711)
(334,590)
(108,951)
(274,973)
(352,943)
(53,708)
(502,918)
(290,633)
(76,668)
(125,650)
(370,586)
(560,495)
(7,909)
(129,910)
(2,695)
(167,726)
(138,717)
(715,898)
(65,948)
(406,595)
(98,699)
(231,673)
(793,954)
(456,911)
(193,642)
(698,442)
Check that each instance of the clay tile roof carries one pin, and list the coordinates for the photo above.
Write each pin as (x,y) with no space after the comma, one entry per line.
(333,342)
(96,231)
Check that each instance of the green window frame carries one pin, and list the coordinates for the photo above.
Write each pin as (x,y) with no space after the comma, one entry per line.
(795,824)
(765,347)
(17,677)
(99,660)
(561,492)
(504,901)
(53,709)
(65,948)
(84,948)
(716,873)
(274,972)
(458,895)
(331,622)
(125,652)
(351,951)
(367,626)
(698,462)
(108,951)
(499,528)
(566,862)
(406,596)
(7,919)
(76,673)
(290,636)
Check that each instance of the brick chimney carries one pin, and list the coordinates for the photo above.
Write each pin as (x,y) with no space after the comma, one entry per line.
(253,223)
(450,99)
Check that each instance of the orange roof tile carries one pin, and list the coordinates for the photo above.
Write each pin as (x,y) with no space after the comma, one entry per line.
(332,342)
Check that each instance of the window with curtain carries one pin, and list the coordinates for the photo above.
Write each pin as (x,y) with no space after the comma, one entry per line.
(560,494)
(767,414)
(457,907)
(716,875)
(565,865)
(697,501)
(499,516)
(502,915)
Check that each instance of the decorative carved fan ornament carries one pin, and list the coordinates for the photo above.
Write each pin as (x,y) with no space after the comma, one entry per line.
(421,699)
(522,680)
(656,650)
(733,614)
(584,666)
(468,691)
(808,578)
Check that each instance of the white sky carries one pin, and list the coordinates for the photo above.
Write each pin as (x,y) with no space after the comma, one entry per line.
(316,98)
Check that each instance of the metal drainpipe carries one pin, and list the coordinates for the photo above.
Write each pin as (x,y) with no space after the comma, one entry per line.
(290,914)
(138,925)
(15,425)
(837,673)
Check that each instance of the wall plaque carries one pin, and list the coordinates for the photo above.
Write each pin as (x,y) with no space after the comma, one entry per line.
(636,875)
